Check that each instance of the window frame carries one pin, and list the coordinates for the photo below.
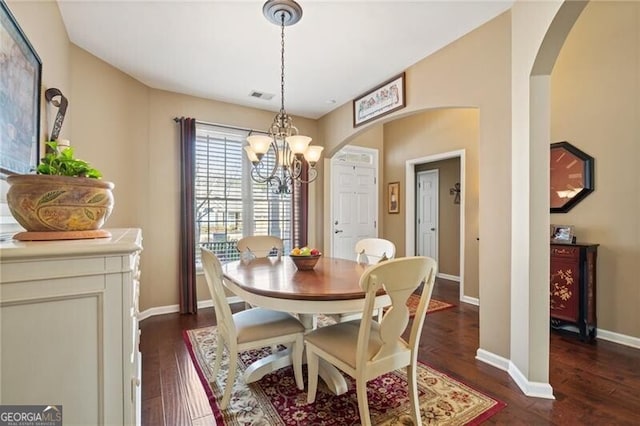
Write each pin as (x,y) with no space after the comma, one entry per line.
(206,134)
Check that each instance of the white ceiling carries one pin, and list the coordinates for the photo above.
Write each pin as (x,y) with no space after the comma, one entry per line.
(224,50)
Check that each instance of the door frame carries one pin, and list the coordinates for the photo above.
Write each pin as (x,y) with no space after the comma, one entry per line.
(376,165)
(410,211)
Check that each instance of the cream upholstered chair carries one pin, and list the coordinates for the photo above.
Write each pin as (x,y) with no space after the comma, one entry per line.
(366,349)
(248,329)
(261,245)
(372,250)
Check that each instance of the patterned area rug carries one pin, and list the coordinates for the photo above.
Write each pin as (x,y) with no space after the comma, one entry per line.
(434,305)
(275,399)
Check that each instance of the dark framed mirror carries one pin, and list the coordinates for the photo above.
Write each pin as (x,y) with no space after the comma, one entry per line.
(571,176)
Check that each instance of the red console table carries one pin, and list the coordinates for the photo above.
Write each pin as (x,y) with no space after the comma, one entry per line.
(573,288)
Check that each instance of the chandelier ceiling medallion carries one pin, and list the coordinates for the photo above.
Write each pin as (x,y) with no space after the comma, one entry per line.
(285,167)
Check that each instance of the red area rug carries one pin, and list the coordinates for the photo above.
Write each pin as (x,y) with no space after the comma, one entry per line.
(275,399)
(434,305)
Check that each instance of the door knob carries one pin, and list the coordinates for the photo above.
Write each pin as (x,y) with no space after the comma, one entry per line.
(337,231)
(433,229)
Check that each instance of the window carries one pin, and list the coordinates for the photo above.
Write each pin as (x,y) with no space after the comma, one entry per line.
(228,203)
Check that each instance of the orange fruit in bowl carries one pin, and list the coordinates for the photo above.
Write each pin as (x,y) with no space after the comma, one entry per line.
(295,251)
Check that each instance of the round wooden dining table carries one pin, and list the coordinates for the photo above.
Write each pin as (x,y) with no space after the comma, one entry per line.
(332,287)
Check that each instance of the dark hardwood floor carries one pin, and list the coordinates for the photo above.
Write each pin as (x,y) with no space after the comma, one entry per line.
(594,384)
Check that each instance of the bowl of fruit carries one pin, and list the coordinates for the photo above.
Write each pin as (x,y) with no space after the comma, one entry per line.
(305,258)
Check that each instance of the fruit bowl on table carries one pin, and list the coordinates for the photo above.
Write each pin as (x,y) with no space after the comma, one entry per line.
(305,263)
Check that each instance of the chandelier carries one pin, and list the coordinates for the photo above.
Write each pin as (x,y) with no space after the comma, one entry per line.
(289,148)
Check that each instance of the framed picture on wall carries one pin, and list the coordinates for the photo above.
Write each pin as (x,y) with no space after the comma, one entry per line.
(382,100)
(393,197)
(20,96)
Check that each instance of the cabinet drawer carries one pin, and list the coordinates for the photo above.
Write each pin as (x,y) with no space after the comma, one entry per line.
(565,252)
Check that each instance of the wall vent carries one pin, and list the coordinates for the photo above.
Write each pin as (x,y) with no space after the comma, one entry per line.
(261,95)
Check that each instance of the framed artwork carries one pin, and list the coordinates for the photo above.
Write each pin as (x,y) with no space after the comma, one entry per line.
(19,96)
(393,197)
(382,100)
(562,234)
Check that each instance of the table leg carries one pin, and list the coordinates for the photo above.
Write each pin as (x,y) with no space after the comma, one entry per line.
(332,377)
(328,373)
(258,369)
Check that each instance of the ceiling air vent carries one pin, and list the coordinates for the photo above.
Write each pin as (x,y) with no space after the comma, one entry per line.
(261,95)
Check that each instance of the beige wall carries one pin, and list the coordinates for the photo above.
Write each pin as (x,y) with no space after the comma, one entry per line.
(429,133)
(111,130)
(596,107)
(448,214)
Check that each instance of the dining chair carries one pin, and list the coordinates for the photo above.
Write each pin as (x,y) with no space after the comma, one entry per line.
(366,349)
(261,245)
(249,329)
(373,250)
(369,251)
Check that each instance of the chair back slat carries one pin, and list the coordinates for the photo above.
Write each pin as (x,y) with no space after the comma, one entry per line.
(399,278)
(214,277)
(261,245)
(372,250)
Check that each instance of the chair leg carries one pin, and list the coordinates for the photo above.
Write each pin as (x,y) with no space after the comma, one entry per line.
(231,378)
(296,356)
(363,402)
(413,394)
(312,367)
(219,353)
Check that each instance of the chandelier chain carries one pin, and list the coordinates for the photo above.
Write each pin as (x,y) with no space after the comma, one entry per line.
(282,64)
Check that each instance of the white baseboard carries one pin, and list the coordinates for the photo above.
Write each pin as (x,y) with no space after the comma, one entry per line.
(621,339)
(539,389)
(160,310)
(492,359)
(448,277)
(171,309)
(610,336)
(533,389)
(470,300)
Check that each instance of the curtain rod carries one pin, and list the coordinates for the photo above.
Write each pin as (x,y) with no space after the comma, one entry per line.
(225,126)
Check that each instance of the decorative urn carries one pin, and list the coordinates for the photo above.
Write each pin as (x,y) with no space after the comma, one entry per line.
(44,203)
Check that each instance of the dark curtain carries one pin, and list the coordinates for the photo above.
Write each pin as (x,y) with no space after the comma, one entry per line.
(187,256)
(299,209)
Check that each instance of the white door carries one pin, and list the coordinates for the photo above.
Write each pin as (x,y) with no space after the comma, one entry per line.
(354,204)
(427,214)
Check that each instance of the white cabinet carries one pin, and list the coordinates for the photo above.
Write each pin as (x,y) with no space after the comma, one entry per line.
(69,327)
